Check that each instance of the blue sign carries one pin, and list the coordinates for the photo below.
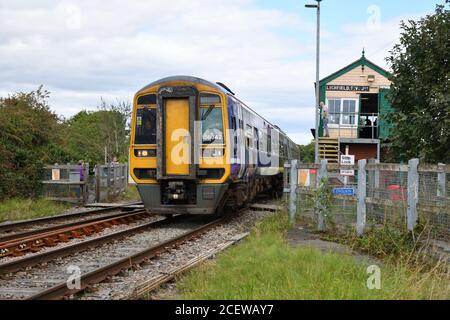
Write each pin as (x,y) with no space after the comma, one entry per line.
(344,191)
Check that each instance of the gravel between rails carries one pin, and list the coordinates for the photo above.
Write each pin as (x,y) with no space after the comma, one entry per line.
(123,285)
(112,229)
(25,283)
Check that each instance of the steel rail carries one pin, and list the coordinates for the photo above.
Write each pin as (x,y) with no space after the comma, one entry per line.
(32,260)
(35,242)
(61,290)
(10,225)
(19,235)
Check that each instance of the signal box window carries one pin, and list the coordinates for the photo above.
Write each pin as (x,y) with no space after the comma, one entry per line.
(211,119)
(145,126)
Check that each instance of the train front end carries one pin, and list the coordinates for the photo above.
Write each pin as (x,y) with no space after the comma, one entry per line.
(178,146)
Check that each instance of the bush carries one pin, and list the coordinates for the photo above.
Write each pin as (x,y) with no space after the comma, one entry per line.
(30,136)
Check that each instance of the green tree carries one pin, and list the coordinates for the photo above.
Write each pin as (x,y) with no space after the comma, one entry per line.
(420,92)
(307,152)
(30,136)
(91,132)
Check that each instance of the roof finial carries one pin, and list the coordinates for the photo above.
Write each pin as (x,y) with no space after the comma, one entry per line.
(364,53)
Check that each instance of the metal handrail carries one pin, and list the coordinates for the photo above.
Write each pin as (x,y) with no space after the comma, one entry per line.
(372,117)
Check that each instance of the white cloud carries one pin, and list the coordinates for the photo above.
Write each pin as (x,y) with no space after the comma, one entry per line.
(84,50)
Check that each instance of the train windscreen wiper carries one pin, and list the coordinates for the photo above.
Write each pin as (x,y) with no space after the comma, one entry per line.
(206,114)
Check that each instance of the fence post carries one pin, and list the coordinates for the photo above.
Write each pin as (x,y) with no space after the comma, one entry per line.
(323,173)
(441,183)
(108,182)
(86,183)
(97,183)
(362,193)
(413,193)
(377,180)
(293,191)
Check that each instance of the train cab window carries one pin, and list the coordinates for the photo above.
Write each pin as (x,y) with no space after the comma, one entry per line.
(269,144)
(147,99)
(211,119)
(145,126)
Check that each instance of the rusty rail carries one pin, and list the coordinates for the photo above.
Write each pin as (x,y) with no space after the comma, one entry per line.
(10,226)
(46,256)
(48,238)
(61,290)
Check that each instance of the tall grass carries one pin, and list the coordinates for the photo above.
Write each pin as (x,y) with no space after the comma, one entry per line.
(19,209)
(131,194)
(265,266)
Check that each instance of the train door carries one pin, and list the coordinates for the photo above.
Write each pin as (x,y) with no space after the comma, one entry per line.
(177,138)
(256,137)
(241,141)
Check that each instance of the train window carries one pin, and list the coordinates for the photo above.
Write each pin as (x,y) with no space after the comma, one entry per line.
(211,123)
(233,123)
(145,126)
(208,98)
(211,119)
(249,130)
(147,99)
(269,144)
(256,135)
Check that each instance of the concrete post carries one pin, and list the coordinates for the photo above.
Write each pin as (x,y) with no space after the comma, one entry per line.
(413,193)
(362,193)
(108,183)
(323,173)
(293,192)
(377,180)
(441,183)
(97,183)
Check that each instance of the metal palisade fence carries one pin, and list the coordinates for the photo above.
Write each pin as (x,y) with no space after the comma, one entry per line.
(66,183)
(371,194)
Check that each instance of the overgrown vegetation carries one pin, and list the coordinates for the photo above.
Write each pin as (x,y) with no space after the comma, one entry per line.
(131,194)
(265,266)
(31,135)
(90,133)
(20,209)
(420,89)
(306,152)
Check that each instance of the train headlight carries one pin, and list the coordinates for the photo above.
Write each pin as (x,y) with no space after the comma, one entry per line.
(145,153)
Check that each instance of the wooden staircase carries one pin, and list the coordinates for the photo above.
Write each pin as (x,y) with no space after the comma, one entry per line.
(329,149)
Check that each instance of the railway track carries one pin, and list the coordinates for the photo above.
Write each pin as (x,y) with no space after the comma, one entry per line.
(97,259)
(32,241)
(9,228)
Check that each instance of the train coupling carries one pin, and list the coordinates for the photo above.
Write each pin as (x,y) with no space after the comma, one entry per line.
(176,190)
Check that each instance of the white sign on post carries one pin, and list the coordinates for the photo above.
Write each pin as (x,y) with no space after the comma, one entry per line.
(348,160)
(56,174)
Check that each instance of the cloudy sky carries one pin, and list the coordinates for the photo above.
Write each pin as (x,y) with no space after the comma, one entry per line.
(264,50)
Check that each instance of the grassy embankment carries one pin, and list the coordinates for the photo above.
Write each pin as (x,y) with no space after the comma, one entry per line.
(265,266)
(19,209)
